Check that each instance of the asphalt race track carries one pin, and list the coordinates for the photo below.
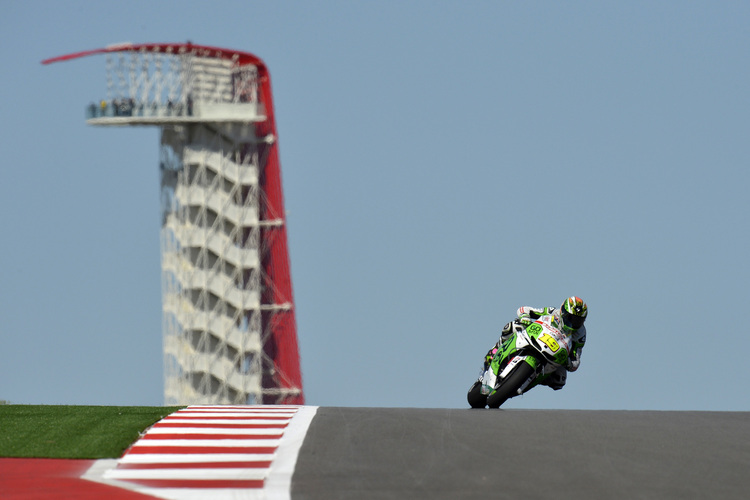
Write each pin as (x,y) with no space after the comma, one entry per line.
(368,453)
(401,453)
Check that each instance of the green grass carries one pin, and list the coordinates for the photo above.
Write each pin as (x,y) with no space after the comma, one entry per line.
(47,431)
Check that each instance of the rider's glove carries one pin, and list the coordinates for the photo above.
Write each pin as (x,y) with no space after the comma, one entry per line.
(523,321)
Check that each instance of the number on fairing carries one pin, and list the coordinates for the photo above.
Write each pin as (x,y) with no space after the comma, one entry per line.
(551,343)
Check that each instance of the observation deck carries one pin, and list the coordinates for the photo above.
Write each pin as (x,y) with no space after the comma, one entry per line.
(129,112)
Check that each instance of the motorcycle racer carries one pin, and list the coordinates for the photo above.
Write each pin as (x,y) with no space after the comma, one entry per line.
(570,317)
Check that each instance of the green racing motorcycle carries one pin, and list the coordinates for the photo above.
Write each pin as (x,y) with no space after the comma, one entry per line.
(530,355)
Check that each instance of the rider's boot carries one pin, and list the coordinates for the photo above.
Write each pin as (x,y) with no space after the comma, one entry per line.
(557,379)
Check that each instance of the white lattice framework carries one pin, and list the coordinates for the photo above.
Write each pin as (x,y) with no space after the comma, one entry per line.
(211,224)
(160,76)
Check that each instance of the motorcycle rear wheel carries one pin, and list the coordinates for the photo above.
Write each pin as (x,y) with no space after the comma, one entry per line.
(510,387)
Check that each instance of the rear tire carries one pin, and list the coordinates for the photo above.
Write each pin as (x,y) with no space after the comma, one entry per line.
(510,387)
(475,397)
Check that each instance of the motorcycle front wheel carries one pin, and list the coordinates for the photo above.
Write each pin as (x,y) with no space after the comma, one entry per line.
(510,386)
(475,397)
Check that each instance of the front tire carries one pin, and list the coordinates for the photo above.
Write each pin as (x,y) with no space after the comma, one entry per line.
(510,386)
(475,397)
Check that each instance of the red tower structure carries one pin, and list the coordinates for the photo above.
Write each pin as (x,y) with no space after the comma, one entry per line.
(230,334)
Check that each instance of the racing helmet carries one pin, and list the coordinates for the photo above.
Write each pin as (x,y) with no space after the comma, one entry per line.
(573,313)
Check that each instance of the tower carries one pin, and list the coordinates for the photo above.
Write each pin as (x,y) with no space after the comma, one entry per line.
(229,326)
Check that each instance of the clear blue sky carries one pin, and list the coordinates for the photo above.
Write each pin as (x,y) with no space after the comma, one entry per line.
(443,163)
